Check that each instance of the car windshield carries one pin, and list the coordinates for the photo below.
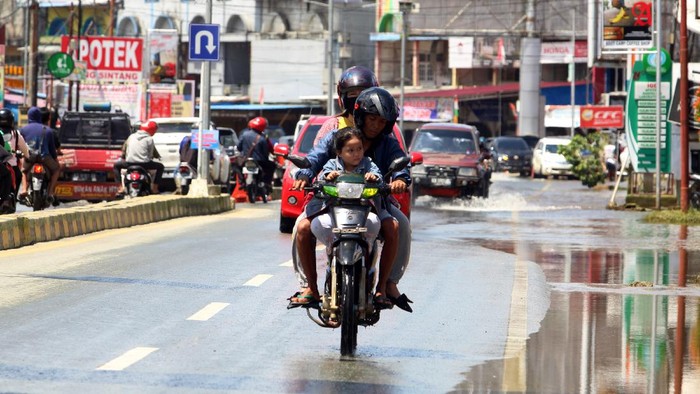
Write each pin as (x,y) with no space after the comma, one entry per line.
(552,148)
(307,143)
(445,141)
(226,140)
(176,127)
(512,144)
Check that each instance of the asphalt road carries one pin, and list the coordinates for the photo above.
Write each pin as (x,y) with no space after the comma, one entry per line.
(199,304)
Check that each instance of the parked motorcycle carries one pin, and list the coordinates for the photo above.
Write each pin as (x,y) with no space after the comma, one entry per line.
(137,181)
(254,184)
(184,174)
(694,191)
(352,271)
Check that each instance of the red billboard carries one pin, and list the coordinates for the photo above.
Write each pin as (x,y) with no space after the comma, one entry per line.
(602,117)
(107,58)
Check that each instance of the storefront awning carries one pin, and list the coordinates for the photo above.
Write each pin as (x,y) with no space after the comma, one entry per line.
(259,107)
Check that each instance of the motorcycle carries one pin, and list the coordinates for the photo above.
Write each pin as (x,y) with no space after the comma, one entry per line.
(184,175)
(694,191)
(39,179)
(137,181)
(254,185)
(351,271)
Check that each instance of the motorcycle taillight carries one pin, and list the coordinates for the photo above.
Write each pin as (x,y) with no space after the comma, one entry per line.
(134,176)
(184,170)
(38,168)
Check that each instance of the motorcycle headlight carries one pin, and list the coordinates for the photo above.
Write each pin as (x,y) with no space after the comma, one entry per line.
(466,171)
(350,190)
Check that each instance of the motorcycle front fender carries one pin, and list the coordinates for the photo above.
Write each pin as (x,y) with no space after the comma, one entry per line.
(348,252)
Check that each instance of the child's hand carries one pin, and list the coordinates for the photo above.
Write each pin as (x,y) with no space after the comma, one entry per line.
(369,177)
(332,175)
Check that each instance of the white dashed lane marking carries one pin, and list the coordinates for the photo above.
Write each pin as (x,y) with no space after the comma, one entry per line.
(127,359)
(209,311)
(257,280)
(287,263)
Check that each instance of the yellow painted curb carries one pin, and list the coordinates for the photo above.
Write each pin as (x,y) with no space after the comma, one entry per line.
(27,228)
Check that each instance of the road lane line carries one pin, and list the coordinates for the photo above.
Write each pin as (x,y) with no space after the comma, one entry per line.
(287,263)
(209,311)
(127,359)
(257,280)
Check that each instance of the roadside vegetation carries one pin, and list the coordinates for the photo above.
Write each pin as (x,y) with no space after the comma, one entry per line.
(585,155)
(674,216)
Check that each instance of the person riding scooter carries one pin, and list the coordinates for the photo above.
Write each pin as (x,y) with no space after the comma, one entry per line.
(139,149)
(7,175)
(254,143)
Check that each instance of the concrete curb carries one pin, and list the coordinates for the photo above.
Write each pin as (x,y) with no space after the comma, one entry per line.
(31,227)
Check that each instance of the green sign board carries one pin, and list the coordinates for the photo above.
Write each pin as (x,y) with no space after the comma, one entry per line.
(60,65)
(641,118)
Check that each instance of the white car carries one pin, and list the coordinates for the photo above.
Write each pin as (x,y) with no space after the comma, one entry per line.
(547,161)
(167,140)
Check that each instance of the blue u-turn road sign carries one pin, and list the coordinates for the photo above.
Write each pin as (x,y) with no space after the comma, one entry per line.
(204,42)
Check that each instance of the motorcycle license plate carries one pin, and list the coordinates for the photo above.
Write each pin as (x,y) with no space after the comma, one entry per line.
(246,170)
(441,181)
(82,176)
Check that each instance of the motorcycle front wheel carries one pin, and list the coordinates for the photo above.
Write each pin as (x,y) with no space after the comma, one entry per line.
(252,193)
(348,313)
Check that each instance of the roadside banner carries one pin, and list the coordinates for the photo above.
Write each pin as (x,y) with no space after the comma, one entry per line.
(107,59)
(428,109)
(210,139)
(627,24)
(163,55)
(602,117)
(641,118)
(125,97)
(674,114)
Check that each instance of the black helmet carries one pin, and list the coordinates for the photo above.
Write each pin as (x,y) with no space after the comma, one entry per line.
(376,101)
(354,77)
(7,119)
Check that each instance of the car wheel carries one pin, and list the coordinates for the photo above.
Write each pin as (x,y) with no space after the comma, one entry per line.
(286,224)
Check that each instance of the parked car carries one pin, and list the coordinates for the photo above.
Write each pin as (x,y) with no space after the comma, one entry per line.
(511,154)
(546,159)
(452,162)
(293,200)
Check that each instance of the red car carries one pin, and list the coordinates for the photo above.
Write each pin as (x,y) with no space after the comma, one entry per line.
(452,162)
(292,200)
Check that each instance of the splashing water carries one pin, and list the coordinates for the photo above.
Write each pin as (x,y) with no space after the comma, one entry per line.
(495,203)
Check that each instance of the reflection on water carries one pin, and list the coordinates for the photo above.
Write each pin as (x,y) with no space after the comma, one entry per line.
(620,321)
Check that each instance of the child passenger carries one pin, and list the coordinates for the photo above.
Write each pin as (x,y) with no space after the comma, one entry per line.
(351,159)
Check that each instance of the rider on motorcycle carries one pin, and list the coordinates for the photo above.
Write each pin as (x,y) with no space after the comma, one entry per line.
(7,175)
(351,83)
(140,150)
(41,141)
(17,143)
(375,114)
(254,143)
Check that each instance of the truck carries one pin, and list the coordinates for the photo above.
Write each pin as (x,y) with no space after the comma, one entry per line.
(91,142)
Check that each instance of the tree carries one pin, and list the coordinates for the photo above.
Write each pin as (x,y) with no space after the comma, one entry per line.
(585,155)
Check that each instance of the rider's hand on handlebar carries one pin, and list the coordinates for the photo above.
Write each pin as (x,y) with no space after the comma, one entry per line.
(298,184)
(332,175)
(369,177)
(398,186)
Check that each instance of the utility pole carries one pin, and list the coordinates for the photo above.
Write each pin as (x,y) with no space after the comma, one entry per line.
(529,122)
(331,82)
(80,26)
(34,66)
(684,104)
(572,71)
(404,7)
(25,74)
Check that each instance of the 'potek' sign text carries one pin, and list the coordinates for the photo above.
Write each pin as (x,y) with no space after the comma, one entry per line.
(107,58)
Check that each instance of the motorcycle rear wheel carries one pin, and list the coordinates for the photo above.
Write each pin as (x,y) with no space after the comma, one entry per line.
(694,195)
(38,202)
(348,313)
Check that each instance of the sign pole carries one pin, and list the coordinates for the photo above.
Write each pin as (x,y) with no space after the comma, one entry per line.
(657,25)
(204,42)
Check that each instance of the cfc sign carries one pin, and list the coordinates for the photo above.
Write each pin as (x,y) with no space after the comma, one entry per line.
(602,117)
(117,59)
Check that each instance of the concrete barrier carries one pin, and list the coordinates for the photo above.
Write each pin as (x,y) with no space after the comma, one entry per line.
(28,228)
